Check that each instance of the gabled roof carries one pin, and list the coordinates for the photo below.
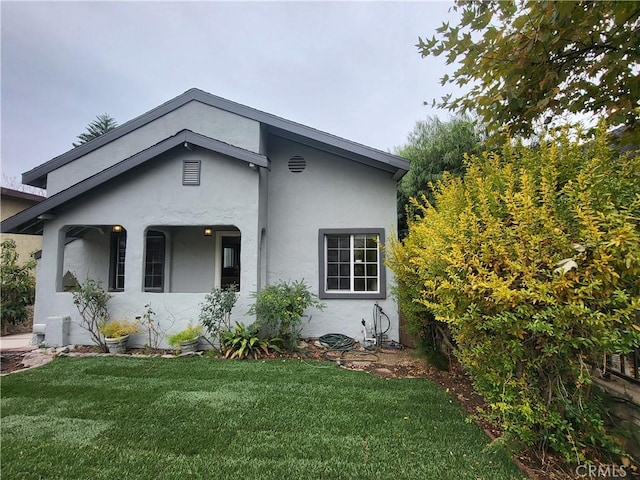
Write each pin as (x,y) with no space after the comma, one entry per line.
(274,125)
(30,220)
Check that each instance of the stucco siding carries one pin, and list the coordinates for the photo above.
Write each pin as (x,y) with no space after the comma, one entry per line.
(153,196)
(332,192)
(195,116)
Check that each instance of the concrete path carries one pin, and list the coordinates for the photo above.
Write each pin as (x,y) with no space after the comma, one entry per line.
(20,342)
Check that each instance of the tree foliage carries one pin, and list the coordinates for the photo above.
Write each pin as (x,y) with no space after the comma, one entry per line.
(101,125)
(533,259)
(17,286)
(433,147)
(531,60)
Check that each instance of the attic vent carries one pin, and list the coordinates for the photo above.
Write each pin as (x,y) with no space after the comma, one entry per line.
(191,172)
(297,164)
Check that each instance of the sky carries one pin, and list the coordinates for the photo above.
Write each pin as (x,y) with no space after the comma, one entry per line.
(351,69)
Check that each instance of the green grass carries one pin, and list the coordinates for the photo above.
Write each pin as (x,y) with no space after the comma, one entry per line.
(127,418)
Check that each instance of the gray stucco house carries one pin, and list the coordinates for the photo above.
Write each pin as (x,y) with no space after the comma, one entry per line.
(202,192)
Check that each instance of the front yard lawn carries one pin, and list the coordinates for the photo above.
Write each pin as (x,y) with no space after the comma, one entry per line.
(128,418)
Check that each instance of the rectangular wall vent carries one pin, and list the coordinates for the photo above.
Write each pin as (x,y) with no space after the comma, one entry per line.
(191,172)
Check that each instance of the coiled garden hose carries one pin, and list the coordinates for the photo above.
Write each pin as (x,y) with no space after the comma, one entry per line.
(343,344)
(337,341)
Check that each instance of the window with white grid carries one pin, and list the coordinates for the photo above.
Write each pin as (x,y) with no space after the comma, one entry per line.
(351,263)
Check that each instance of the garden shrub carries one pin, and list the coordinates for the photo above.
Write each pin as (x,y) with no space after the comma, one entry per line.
(215,312)
(91,299)
(533,260)
(279,309)
(17,285)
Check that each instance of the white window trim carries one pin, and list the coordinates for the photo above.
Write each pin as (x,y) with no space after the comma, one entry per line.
(381,293)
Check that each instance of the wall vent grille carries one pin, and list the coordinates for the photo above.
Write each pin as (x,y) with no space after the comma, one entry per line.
(297,164)
(191,172)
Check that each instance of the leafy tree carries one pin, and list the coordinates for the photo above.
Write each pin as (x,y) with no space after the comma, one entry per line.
(533,259)
(17,286)
(433,147)
(101,125)
(531,60)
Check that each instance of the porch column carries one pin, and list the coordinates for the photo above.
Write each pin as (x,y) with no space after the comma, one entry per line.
(134,259)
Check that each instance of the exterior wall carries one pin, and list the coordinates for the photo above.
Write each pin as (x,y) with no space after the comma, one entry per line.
(192,260)
(88,257)
(25,244)
(150,196)
(331,192)
(195,116)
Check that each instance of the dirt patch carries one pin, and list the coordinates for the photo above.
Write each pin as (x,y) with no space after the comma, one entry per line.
(11,361)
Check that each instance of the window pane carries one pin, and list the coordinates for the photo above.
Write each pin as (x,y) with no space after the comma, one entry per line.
(228,261)
(154,261)
(352,263)
(117,261)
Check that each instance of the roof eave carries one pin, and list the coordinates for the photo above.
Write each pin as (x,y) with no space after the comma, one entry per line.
(38,176)
(30,220)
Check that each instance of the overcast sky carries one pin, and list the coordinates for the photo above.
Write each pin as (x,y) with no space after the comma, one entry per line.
(350,69)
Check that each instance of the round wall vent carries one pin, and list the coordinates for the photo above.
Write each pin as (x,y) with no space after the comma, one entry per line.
(297,164)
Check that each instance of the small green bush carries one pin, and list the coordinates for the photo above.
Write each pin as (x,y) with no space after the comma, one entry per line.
(118,328)
(91,299)
(533,260)
(242,342)
(279,309)
(215,313)
(17,286)
(190,333)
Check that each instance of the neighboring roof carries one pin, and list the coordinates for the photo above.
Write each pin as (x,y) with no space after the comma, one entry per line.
(30,220)
(275,125)
(10,192)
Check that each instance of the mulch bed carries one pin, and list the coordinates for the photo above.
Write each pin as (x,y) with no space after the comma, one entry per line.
(11,361)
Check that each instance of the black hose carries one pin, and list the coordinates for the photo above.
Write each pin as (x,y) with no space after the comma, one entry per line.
(337,341)
(344,345)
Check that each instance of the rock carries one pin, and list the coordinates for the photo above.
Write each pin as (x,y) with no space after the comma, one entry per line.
(302,345)
(60,350)
(36,359)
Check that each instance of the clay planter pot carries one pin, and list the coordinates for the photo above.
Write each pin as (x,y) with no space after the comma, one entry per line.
(189,346)
(118,344)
